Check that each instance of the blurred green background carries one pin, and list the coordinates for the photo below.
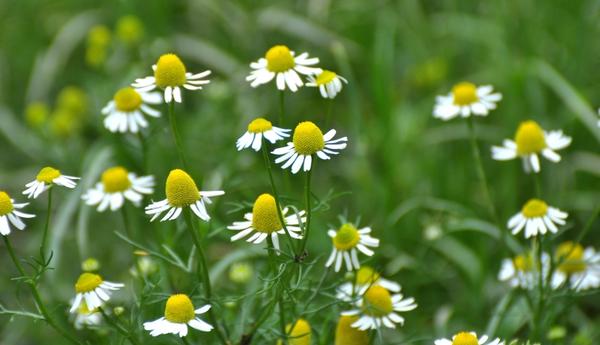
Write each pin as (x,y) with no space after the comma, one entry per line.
(410,176)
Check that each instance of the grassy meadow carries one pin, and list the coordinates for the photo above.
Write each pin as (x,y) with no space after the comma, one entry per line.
(411,177)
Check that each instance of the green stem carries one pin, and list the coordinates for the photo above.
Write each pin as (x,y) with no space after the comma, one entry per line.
(484,182)
(328,114)
(281,107)
(538,186)
(202,271)
(115,324)
(538,312)
(176,135)
(144,151)
(273,264)
(184,340)
(46,227)
(500,313)
(308,211)
(37,297)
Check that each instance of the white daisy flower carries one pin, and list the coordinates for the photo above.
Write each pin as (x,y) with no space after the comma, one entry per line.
(328,82)
(45,179)
(522,270)
(85,317)
(464,100)
(536,217)
(345,334)
(281,64)
(125,112)
(377,307)
(264,221)
(307,141)
(10,215)
(182,192)
(347,241)
(179,314)
(92,290)
(116,185)
(170,75)
(578,266)
(257,129)
(364,277)
(468,338)
(531,140)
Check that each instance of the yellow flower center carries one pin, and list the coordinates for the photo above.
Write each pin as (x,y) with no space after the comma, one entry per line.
(345,334)
(47,175)
(179,309)
(127,99)
(530,138)
(279,59)
(308,138)
(523,262)
(377,301)
(464,93)
(465,338)
(264,214)
(6,206)
(534,208)
(346,238)
(366,275)
(300,334)
(115,180)
(87,282)
(170,71)
(570,257)
(181,190)
(325,77)
(259,125)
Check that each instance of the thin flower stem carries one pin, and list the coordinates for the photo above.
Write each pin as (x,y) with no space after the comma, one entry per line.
(144,148)
(328,114)
(202,271)
(281,107)
(46,226)
(176,135)
(273,265)
(308,211)
(538,186)
(184,340)
(538,312)
(120,329)
(484,183)
(37,297)
(274,188)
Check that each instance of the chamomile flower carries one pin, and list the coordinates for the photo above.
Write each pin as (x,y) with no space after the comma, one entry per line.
(9,214)
(282,64)
(377,307)
(171,75)
(347,241)
(345,334)
(466,99)
(537,218)
(92,290)
(125,112)
(179,314)
(522,271)
(530,141)
(307,141)
(47,177)
(299,334)
(328,82)
(85,317)
(364,277)
(578,266)
(264,221)
(468,338)
(182,192)
(257,129)
(116,185)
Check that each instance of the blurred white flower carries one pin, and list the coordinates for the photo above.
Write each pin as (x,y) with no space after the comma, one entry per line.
(530,141)
(537,218)
(328,82)
(116,185)
(125,112)
(466,99)
(257,129)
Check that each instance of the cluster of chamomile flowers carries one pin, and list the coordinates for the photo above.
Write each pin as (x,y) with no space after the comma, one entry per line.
(575,267)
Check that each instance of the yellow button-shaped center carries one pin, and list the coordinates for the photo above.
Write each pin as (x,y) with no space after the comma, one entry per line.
(170,71)
(279,59)
(308,138)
